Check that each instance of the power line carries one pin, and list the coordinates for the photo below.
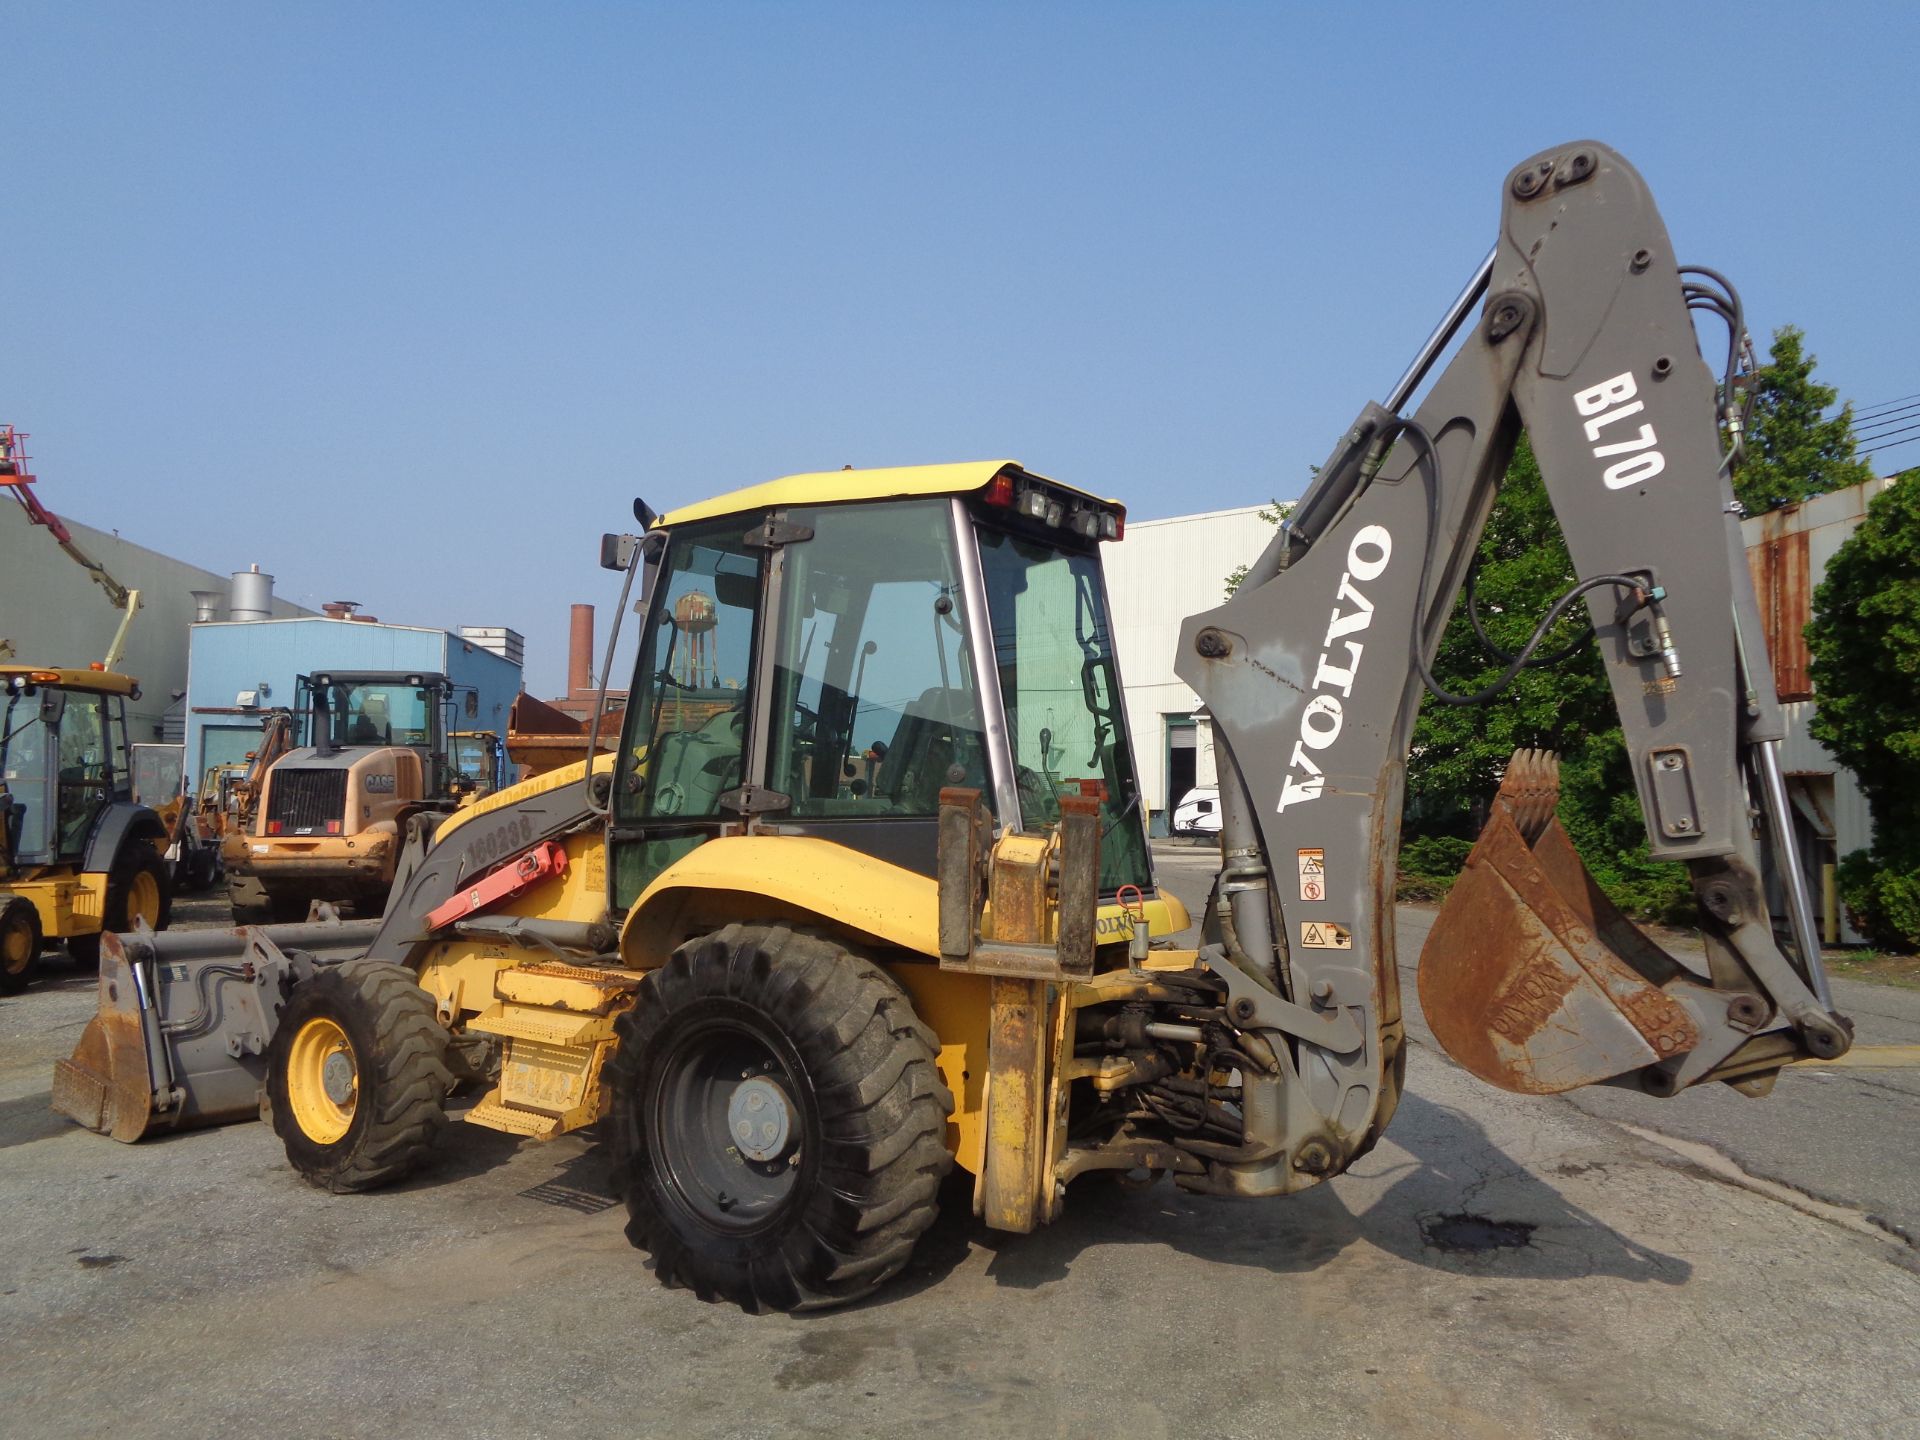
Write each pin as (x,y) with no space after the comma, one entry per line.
(1885,417)
(1883,444)
(1904,423)
(1884,404)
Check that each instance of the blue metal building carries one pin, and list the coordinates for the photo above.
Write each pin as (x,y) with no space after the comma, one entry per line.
(238,670)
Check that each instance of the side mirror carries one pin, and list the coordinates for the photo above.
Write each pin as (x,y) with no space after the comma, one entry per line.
(53,704)
(616,551)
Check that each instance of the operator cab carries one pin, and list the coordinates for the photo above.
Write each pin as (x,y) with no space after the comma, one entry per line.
(59,733)
(827,653)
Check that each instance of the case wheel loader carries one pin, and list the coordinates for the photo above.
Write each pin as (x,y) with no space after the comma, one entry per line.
(863,892)
(329,809)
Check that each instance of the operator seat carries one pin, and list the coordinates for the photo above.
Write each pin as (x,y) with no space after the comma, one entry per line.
(370,725)
(938,731)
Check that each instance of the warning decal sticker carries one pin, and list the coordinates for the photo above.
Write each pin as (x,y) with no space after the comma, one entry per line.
(1325,935)
(1313,874)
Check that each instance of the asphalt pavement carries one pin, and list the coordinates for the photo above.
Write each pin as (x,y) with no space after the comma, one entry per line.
(1499,1266)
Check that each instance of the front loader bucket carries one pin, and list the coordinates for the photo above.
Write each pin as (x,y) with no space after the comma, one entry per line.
(1531,978)
(180,1036)
(106,1084)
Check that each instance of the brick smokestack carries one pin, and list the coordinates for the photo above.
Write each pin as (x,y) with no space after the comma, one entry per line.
(580,652)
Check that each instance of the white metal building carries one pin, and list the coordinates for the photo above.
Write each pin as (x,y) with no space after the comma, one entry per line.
(1161,572)
(1788,551)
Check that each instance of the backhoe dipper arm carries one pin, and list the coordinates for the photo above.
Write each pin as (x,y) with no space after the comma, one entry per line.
(1312,673)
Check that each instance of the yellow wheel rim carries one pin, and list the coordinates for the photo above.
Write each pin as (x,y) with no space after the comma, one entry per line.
(323,1080)
(16,946)
(143,899)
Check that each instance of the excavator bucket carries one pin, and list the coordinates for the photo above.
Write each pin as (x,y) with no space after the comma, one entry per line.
(180,1034)
(1531,978)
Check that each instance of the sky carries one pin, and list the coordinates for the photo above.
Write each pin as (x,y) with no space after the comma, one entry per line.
(406,302)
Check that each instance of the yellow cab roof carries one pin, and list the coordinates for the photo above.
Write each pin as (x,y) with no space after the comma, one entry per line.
(828,487)
(104,682)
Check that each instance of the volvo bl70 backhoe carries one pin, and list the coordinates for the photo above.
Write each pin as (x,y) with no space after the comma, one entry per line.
(864,892)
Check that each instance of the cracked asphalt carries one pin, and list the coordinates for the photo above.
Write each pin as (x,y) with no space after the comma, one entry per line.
(1499,1266)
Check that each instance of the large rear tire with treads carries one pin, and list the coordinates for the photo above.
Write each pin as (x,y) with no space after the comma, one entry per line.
(779,1120)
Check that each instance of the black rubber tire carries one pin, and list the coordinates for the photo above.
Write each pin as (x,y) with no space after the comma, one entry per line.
(137,856)
(19,932)
(287,909)
(399,1050)
(870,1119)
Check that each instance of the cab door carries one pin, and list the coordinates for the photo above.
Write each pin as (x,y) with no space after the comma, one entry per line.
(686,740)
(85,772)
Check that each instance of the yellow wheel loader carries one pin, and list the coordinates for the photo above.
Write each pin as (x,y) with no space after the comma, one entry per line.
(863,892)
(77,855)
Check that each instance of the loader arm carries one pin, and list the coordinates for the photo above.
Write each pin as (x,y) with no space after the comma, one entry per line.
(1313,675)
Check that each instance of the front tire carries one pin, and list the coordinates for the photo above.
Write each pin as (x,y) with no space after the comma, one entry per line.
(138,889)
(779,1122)
(19,945)
(357,1076)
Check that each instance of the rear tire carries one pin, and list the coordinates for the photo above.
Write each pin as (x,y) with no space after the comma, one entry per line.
(779,1122)
(288,909)
(357,1076)
(138,888)
(19,945)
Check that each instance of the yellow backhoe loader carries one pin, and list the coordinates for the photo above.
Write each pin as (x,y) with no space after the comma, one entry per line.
(78,857)
(864,893)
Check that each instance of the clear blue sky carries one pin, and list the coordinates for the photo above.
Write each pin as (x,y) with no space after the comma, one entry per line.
(404,302)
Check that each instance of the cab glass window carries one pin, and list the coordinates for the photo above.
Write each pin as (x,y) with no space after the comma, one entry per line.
(86,774)
(1061,686)
(686,726)
(875,705)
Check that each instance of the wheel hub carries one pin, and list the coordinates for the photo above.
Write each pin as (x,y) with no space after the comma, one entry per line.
(336,1077)
(760,1119)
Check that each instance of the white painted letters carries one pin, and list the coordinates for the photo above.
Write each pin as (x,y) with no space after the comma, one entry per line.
(1323,717)
(1607,402)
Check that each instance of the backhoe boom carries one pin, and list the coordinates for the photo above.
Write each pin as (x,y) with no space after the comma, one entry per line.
(1313,673)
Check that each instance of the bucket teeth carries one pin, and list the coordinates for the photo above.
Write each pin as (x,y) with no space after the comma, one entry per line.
(1530,792)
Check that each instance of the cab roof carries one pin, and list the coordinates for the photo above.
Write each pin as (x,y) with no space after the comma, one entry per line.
(104,682)
(828,487)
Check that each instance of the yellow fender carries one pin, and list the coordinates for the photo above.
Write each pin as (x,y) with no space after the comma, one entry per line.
(780,877)
(803,878)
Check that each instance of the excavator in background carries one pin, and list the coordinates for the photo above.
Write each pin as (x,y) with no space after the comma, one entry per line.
(78,854)
(479,764)
(229,798)
(160,783)
(864,894)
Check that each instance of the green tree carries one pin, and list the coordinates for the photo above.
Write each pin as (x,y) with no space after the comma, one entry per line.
(1865,639)
(1273,514)
(1459,752)
(1794,449)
